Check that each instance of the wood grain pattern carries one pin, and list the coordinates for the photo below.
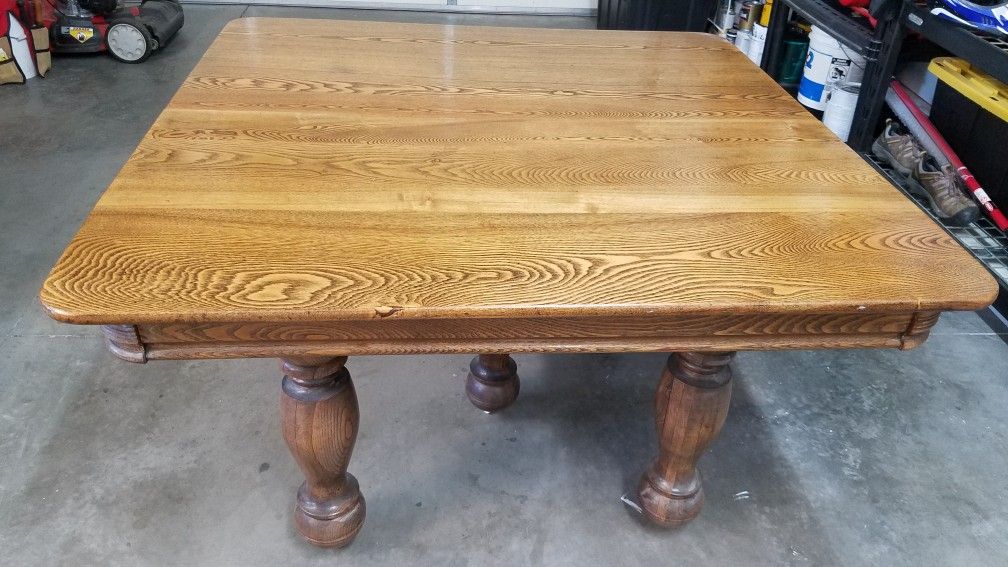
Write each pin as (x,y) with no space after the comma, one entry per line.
(642,333)
(319,417)
(639,326)
(188,351)
(690,407)
(445,173)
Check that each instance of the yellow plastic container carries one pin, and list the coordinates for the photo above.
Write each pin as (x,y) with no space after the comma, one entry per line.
(970,109)
(988,92)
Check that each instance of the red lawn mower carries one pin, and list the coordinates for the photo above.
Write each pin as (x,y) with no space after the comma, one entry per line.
(129,33)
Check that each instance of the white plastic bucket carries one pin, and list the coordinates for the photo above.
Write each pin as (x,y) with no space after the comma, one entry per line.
(742,41)
(840,109)
(756,44)
(829,65)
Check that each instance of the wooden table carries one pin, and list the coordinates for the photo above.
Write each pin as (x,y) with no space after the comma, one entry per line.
(318,189)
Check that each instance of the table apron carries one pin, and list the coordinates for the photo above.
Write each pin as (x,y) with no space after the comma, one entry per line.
(576,334)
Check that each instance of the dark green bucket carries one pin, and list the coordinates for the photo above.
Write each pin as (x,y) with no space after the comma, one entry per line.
(789,72)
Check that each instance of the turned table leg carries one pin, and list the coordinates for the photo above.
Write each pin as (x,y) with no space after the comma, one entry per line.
(492,383)
(691,405)
(319,414)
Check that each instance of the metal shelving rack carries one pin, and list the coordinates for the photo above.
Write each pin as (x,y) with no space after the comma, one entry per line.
(879,47)
(988,52)
(855,33)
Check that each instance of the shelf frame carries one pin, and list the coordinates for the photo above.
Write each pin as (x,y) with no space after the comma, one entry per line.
(988,52)
(857,34)
(879,47)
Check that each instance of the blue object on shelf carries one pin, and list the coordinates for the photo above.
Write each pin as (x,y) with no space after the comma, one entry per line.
(990,19)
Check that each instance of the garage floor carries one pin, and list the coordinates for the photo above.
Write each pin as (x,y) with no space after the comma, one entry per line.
(828,458)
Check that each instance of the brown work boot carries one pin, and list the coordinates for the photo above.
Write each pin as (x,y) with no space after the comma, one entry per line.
(940,185)
(896,146)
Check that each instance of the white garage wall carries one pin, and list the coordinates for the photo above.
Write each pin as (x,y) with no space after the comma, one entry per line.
(579,7)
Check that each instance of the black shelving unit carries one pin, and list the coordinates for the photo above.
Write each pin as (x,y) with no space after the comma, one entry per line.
(986,51)
(984,240)
(879,47)
(854,32)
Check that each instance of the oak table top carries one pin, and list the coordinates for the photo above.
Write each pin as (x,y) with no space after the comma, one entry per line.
(317,171)
(319,189)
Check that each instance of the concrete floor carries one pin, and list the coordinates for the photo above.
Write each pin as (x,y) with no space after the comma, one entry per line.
(843,458)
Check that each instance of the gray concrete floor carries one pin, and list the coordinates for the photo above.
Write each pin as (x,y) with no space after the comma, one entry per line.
(843,458)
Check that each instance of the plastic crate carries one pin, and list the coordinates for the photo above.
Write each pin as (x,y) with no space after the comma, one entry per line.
(970,109)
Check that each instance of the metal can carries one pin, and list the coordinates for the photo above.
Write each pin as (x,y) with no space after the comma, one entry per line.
(731,35)
(749,14)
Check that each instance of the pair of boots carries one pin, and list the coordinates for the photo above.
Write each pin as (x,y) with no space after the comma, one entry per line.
(924,176)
